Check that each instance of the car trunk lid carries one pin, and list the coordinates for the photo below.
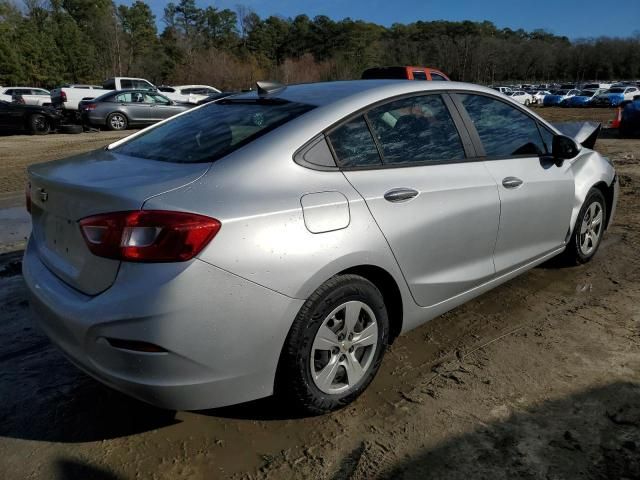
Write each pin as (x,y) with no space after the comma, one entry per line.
(64,192)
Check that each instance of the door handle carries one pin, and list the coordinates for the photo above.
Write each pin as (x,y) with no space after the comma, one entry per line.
(511,182)
(400,195)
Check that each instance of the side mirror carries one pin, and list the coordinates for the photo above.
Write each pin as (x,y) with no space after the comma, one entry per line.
(563,148)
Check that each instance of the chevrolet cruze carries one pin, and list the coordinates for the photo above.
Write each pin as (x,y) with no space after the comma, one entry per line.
(276,242)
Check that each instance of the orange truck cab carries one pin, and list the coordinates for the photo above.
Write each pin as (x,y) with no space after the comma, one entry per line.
(407,73)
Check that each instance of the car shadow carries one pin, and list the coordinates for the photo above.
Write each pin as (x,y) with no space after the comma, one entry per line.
(84,411)
(72,469)
(594,434)
(264,409)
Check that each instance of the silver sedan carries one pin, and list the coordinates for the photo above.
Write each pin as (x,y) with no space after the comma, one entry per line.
(122,109)
(277,241)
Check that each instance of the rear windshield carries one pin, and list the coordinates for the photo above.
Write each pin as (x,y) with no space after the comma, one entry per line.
(212,131)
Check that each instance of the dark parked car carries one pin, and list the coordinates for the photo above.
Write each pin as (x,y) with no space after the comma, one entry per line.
(630,119)
(16,117)
(121,109)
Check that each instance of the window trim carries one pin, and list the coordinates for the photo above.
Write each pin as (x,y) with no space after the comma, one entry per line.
(299,155)
(465,139)
(473,132)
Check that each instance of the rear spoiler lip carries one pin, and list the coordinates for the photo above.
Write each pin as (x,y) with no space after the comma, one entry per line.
(585,133)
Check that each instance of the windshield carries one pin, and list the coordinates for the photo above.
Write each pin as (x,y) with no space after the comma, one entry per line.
(212,131)
(616,90)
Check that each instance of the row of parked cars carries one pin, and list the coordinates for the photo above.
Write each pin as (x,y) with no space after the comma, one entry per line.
(117,104)
(572,95)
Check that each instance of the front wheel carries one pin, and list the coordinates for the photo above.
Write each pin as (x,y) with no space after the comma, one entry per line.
(39,124)
(589,229)
(335,345)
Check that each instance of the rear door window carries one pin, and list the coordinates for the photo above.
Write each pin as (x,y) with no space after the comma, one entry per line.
(124,98)
(504,130)
(126,84)
(419,75)
(353,144)
(415,130)
(437,77)
(212,131)
(156,99)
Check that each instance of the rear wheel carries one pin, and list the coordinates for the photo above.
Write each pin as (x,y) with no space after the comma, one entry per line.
(527,103)
(117,121)
(39,124)
(589,229)
(335,345)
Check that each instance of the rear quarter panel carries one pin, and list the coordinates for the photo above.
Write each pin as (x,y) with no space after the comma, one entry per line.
(256,193)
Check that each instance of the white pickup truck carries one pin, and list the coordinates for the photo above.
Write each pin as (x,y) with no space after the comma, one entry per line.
(69,96)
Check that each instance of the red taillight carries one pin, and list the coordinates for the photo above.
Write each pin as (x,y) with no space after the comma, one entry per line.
(63,96)
(89,106)
(27,196)
(148,235)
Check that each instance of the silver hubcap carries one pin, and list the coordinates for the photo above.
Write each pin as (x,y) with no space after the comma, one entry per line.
(344,347)
(117,122)
(591,228)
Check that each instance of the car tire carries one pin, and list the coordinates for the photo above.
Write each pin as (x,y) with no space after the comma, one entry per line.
(586,236)
(72,129)
(39,124)
(527,103)
(327,362)
(117,121)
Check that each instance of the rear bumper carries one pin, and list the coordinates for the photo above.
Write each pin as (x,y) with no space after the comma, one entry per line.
(223,335)
(92,119)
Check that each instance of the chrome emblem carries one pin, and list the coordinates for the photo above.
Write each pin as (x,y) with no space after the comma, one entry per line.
(44,196)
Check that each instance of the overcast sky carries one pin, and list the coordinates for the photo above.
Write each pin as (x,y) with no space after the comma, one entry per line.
(573,18)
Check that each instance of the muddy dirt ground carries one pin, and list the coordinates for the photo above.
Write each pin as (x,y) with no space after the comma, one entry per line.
(539,379)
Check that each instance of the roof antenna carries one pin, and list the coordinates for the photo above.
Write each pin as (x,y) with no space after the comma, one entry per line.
(267,88)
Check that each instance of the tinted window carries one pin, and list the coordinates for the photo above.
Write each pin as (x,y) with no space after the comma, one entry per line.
(142,85)
(419,75)
(504,130)
(212,131)
(353,144)
(416,129)
(125,84)
(436,77)
(109,84)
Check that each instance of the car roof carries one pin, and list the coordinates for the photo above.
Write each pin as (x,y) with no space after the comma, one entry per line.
(330,93)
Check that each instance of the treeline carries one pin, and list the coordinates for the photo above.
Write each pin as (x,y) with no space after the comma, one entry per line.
(47,43)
